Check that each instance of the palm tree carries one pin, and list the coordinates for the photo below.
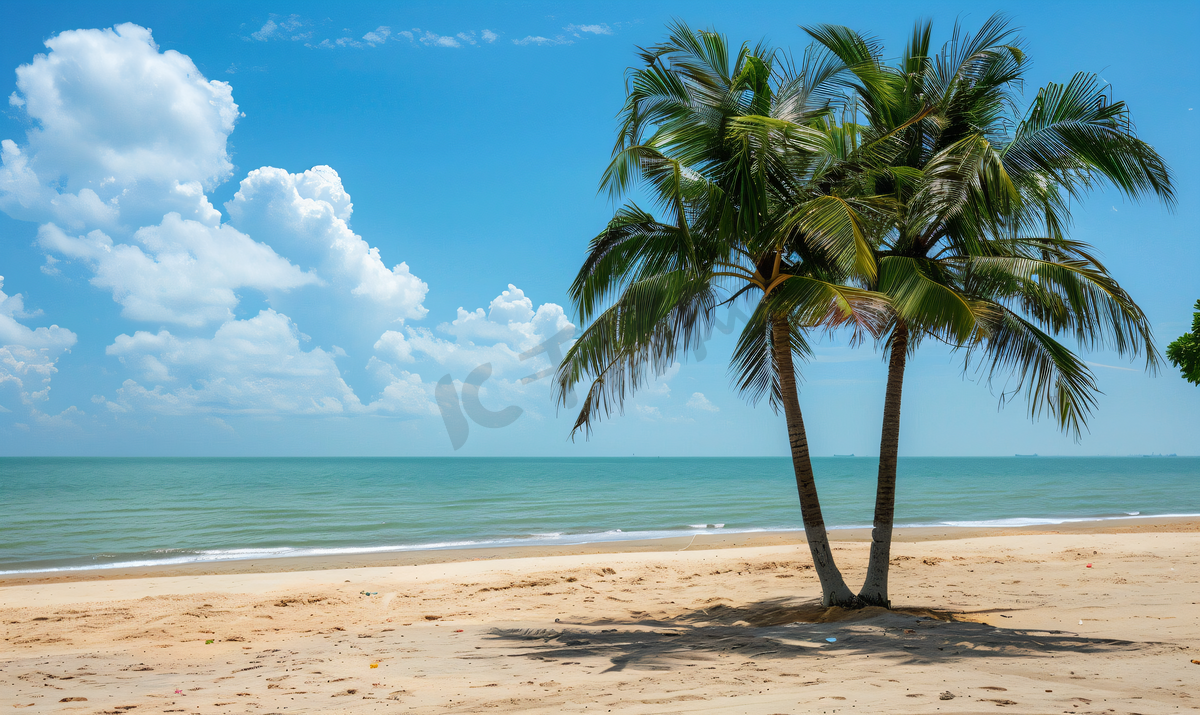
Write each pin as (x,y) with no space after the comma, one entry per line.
(1184,351)
(975,253)
(740,152)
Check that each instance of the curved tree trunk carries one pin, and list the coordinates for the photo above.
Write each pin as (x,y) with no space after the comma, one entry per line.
(833,588)
(875,589)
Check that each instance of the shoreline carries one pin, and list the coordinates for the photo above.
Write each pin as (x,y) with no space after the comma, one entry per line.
(695,542)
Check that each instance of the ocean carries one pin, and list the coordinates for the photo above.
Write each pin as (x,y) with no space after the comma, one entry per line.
(85,513)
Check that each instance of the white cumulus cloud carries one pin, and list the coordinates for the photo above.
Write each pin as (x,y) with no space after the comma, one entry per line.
(522,344)
(182,272)
(125,142)
(254,366)
(404,392)
(122,133)
(249,366)
(500,335)
(306,217)
(699,402)
(28,356)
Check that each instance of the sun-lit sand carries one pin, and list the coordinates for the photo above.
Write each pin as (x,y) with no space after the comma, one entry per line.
(1018,622)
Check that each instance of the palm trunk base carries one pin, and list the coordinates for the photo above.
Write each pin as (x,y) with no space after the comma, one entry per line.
(876,597)
(839,595)
(875,588)
(834,591)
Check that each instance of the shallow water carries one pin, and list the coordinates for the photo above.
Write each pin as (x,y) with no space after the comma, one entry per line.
(63,513)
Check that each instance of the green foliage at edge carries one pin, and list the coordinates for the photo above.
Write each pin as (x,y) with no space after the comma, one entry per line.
(1184,352)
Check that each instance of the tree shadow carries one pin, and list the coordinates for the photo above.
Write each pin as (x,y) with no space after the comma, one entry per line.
(785,628)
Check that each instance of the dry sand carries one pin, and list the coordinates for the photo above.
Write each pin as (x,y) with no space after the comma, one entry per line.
(1016,622)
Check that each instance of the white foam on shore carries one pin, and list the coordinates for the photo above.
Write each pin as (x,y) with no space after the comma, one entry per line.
(246,554)
(1021,521)
(542,539)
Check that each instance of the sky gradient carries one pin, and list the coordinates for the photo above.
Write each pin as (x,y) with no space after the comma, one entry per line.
(269,229)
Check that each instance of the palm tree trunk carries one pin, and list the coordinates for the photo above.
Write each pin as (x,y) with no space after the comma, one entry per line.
(875,589)
(833,588)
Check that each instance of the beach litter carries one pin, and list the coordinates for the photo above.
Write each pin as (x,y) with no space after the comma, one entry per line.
(374,665)
(1089,565)
(369,593)
(210,640)
(1196,662)
(831,640)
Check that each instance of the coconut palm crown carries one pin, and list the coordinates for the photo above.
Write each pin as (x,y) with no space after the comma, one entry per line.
(741,154)
(975,252)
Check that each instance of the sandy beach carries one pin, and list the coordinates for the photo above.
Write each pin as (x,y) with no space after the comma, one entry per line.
(1098,617)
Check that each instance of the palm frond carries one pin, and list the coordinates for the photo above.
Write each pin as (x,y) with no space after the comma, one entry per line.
(1076,132)
(655,321)
(1052,378)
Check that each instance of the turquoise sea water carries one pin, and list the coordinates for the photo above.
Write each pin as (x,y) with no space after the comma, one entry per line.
(96,513)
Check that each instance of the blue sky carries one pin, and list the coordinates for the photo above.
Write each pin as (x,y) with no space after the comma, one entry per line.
(271,229)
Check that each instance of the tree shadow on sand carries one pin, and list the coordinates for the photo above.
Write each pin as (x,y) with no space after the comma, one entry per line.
(784,628)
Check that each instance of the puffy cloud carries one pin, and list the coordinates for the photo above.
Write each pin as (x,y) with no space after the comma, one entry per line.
(12,309)
(393,346)
(23,195)
(404,392)
(249,366)
(125,136)
(183,272)
(122,133)
(306,216)
(699,402)
(509,328)
(28,356)
(522,345)
(489,36)
(254,366)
